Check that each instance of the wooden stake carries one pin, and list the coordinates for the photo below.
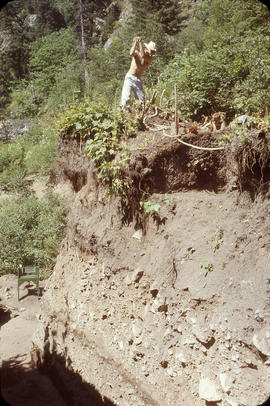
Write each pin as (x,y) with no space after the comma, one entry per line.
(176,110)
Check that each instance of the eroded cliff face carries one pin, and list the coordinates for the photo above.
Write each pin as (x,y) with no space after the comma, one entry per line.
(166,308)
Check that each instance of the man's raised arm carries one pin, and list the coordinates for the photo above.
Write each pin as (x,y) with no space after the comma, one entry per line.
(133,52)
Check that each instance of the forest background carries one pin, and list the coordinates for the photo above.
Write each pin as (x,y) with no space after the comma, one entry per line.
(64,53)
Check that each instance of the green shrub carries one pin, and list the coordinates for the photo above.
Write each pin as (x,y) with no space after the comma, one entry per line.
(69,84)
(12,168)
(85,120)
(40,158)
(228,70)
(12,179)
(33,153)
(24,102)
(31,229)
(10,153)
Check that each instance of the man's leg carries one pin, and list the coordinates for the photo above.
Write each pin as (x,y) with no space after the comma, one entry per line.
(138,90)
(126,93)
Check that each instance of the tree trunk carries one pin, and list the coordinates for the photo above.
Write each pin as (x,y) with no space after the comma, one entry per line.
(84,49)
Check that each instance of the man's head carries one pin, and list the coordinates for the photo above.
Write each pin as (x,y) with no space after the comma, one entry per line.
(151,48)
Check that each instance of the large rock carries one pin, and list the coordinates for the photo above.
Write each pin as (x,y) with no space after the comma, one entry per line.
(208,390)
(225,381)
(12,129)
(261,340)
(202,334)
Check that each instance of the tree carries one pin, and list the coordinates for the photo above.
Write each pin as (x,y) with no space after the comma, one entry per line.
(166,12)
(49,55)
(84,49)
(14,52)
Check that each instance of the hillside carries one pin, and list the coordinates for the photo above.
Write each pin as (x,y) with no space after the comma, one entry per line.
(169,307)
(160,290)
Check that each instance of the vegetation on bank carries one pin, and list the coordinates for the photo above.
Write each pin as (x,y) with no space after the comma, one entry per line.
(104,131)
(32,154)
(31,228)
(224,63)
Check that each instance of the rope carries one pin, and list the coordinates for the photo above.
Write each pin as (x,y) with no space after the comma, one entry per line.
(191,145)
(158,127)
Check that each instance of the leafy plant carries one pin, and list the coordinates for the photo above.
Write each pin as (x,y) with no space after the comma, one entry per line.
(166,201)
(225,139)
(102,149)
(12,179)
(24,101)
(217,238)
(103,130)
(150,207)
(207,266)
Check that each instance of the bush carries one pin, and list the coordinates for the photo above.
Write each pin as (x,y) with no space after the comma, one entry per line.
(33,153)
(12,168)
(12,179)
(24,102)
(40,155)
(69,84)
(9,153)
(232,79)
(55,73)
(107,70)
(231,72)
(31,229)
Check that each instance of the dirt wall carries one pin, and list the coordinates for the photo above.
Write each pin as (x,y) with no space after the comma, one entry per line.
(163,308)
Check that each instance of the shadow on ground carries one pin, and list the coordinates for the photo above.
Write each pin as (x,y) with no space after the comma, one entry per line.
(31,291)
(23,384)
(5,315)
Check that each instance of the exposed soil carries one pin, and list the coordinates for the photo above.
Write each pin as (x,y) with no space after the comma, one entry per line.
(21,382)
(169,307)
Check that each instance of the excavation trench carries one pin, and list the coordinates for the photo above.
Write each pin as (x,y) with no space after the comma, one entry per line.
(136,306)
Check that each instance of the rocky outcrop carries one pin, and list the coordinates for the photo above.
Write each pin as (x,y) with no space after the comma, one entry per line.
(123,18)
(12,129)
(174,312)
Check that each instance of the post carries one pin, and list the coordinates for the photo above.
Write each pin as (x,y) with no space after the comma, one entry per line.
(176,110)
(84,48)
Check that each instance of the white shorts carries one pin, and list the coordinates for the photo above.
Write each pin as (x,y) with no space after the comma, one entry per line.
(131,83)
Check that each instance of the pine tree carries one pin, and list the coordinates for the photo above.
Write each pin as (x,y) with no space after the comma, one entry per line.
(165,12)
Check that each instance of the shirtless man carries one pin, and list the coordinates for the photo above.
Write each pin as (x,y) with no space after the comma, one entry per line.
(140,61)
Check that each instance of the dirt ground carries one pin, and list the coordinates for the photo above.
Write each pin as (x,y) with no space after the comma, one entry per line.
(21,383)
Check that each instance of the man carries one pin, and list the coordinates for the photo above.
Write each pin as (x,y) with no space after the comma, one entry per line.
(140,61)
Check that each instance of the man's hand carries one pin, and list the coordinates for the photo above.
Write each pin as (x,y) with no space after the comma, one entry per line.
(137,39)
(132,52)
